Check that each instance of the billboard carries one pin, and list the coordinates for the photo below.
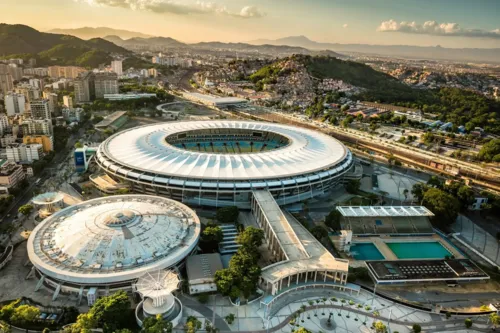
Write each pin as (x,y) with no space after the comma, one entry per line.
(80,161)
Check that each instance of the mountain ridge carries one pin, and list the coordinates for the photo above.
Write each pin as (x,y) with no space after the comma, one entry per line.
(91,32)
(406,51)
(26,42)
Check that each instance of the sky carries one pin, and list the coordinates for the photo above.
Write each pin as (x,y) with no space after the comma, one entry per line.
(449,23)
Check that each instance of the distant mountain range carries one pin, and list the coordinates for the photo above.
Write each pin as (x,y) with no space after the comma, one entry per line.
(88,33)
(405,51)
(167,42)
(25,42)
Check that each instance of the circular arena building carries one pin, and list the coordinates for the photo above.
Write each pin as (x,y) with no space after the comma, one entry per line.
(106,244)
(219,163)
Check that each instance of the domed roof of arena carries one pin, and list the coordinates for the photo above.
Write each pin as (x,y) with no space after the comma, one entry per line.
(221,149)
(113,239)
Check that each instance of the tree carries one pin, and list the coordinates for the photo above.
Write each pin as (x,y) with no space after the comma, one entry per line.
(435,182)
(109,311)
(405,193)
(417,328)
(251,238)
(332,220)
(352,186)
(25,209)
(24,314)
(319,232)
(468,323)
(46,330)
(230,318)
(494,319)
(156,325)
(78,144)
(418,191)
(490,151)
(192,324)
(302,330)
(212,233)
(444,206)
(380,327)
(227,214)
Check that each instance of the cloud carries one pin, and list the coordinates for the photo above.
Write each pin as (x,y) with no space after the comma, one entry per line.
(176,7)
(436,29)
(344,25)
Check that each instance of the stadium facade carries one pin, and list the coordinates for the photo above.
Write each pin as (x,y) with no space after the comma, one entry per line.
(220,163)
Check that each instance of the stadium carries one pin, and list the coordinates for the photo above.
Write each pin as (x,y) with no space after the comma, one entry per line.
(220,163)
(105,244)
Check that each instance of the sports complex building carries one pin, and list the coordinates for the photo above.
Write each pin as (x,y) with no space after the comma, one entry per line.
(102,245)
(220,163)
(399,246)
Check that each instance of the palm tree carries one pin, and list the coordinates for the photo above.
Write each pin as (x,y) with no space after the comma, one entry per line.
(212,146)
(225,146)
(251,146)
(199,146)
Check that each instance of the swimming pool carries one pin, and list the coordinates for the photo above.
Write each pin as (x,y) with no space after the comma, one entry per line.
(366,251)
(418,250)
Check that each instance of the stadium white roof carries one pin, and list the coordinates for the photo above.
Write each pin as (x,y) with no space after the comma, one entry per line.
(144,149)
(373,211)
(113,239)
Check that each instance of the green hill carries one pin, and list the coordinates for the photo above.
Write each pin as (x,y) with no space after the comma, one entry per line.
(25,42)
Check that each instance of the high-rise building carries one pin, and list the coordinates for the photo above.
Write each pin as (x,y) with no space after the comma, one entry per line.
(6,84)
(36,71)
(53,102)
(37,127)
(4,123)
(40,109)
(105,83)
(15,104)
(31,93)
(16,72)
(70,72)
(37,83)
(84,88)
(20,152)
(116,66)
(68,101)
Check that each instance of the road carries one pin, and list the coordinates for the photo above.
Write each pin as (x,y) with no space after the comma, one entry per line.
(25,196)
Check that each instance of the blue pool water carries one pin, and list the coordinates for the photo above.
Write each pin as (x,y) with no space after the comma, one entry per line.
(366,251)
(419,250)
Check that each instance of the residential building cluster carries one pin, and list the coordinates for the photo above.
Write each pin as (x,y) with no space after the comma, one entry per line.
(90,86)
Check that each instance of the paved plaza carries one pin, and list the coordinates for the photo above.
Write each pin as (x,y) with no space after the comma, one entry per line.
(348,313)
(394,185)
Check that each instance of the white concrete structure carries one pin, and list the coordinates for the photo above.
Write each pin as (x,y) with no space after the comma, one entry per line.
(15,104)
(37,127)
(123,97)
(156,290)
(213,100)
(71,114)
(116,66)
(301,258)
(20,152)
(105,244)
(296,165)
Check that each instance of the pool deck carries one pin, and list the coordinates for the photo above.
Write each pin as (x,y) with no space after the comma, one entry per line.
(380,243)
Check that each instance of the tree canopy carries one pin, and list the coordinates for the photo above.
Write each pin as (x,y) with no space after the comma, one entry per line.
(156,325)
(332,220)
(26,209)
(490,151)
(227,214)
(444,206)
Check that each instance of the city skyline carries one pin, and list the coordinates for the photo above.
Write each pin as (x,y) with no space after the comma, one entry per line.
(424,23)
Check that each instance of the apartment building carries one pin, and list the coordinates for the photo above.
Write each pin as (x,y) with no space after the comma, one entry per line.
(6,84)
(15,104)
(47,141)
(84,88)
(69,72)
(105,83)
(37,127)
(40,109)
(11,174)
(20,152)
